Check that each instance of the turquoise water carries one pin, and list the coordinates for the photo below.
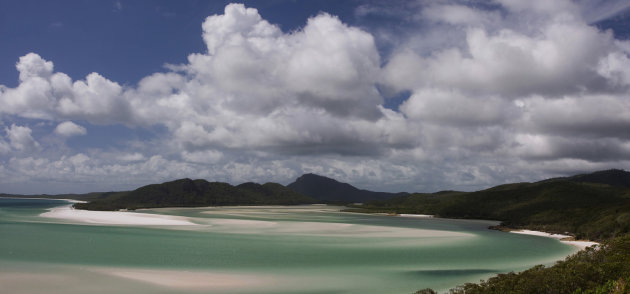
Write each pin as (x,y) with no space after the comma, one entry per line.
(300,249)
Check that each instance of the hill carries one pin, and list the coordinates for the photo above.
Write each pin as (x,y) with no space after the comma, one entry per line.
(592,206)
(590,271)
(331,191)
(612,177)
(195,193)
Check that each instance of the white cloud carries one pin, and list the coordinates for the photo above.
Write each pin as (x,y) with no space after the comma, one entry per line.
(20,138)
(540,6)
(460,15)
(43,94)
(69,129)
(579,116)
(205,156)
(494,93)
(33,66)
(560,58)
(449,107)
(4,147)
(130,157)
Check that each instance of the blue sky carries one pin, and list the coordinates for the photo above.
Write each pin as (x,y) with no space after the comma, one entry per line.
(130,38)
(387,95)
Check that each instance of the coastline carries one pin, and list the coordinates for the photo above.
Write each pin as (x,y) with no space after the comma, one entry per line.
(416,215)
(566,239)
(67,212)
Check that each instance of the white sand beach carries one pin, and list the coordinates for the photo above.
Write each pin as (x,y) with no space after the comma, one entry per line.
(416,215)
(241,226)
(331,229)
(66,212)
(566,239)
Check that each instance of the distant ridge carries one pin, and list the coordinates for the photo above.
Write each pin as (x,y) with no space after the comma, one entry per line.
(195,193)
(330,190)
(592,206)
(612,177)
(588,205)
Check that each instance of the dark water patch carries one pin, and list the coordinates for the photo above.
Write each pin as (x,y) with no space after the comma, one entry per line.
(29,203)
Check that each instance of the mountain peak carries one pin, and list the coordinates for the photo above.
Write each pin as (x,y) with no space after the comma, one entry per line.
(311,178)
(331,190)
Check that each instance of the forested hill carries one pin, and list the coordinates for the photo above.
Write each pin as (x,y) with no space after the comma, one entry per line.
(612,177)
(193,193)
(308,188)
(330,190)
(592,206)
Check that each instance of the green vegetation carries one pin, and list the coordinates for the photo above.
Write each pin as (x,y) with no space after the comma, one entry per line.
(591,271)
(195,193)
(588,210)
(592,206)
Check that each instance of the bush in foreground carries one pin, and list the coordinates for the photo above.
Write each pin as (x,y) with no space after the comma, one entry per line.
(604,269)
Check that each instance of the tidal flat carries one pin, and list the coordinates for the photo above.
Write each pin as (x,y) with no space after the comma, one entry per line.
(47,247)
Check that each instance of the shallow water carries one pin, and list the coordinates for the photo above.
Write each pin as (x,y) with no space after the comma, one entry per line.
(299,249)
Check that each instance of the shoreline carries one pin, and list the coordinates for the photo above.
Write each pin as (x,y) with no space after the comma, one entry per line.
(416,215)
(67,212)
(566,239)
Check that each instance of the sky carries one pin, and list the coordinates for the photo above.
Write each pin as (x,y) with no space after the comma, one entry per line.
(416,96)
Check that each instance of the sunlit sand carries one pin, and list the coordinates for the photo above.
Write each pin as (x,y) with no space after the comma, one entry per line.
(115,217)
(191,280)
(244,226)
(563,238)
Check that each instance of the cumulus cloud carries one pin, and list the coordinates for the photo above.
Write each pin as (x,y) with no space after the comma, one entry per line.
(255,87)
(69,129)
(543,87)
(20,138)
(33,66)
(43,94)
(307,91)
(327,65)
(494,91)
(562,57)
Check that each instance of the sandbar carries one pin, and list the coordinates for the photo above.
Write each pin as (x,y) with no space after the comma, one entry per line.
(191,280)
(416,215)
(66,212)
